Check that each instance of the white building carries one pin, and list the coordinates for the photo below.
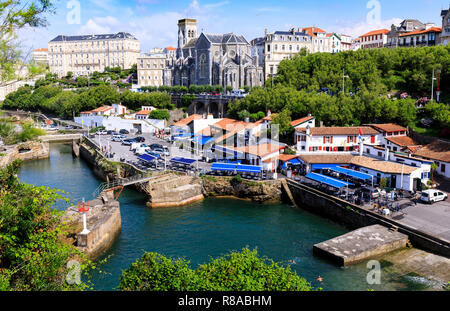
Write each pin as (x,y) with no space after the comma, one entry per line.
(83,55)
(40,56)
(112,123)
(374,39)
(438,152)
(390,130)
(334,139)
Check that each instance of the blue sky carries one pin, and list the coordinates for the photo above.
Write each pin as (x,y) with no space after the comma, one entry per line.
(154,22)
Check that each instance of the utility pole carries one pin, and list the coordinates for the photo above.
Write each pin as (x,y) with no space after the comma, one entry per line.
(343,81)
(432,86)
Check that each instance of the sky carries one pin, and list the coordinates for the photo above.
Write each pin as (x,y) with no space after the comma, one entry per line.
(154,22)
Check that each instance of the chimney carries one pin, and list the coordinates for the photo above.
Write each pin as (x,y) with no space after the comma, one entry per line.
(321,124)
(308,130)
(247,120)
(269,113)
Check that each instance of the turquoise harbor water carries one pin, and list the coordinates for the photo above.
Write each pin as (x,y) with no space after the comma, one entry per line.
(207,229)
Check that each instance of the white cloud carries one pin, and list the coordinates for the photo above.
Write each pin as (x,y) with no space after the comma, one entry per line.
(358,29)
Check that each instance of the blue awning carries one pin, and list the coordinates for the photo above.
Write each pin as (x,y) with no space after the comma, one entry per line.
(248,169)
(203,140)
(183,161)
(335,183)
(325,166)
(352,173)
(147,158)
(223,167)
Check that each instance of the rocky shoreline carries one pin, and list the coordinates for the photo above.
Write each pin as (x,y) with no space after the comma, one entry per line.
(27,151)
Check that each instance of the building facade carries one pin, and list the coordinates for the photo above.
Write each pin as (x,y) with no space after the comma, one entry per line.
(445,34)
(154,70)
(374,39)
(278,46)
(210,59)
(334,139)
(425,37)
(83,55)
(40,56)
(408,25)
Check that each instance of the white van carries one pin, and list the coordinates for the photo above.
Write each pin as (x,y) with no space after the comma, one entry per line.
(134,146)
(433,196)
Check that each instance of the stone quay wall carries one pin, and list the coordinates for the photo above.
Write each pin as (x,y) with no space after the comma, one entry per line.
(103,222)
(355,217)
(27,151)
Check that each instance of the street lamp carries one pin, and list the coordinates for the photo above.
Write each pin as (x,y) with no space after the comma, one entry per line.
(343,81)
(432,85)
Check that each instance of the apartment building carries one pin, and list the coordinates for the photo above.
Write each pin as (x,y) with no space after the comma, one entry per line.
(153,70)
(278,46)
(334,139)
(426,37)
(40,56)
(374,39)
(82,55)
(445,34)
(320,42)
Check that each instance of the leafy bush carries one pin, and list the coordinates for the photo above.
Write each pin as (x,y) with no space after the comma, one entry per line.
(237,179)
(32,253)
(237,271)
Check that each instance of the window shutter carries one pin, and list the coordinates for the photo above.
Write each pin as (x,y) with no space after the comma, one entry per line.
(331,139)
(324,139)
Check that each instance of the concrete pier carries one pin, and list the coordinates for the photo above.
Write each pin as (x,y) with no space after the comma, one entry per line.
(361,244)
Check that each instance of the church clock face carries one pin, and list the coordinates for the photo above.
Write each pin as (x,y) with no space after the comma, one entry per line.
(232,53)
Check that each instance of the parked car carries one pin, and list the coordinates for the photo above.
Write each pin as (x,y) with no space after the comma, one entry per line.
(141,150)
(122,131)
(433,196)
(156,146)
(128,142)
(140,139)
(102,133)
(111,132)
(215,93)
(118,137)
(373,193)
(69,127)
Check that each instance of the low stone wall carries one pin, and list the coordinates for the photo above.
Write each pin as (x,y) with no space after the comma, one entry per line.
(261,191)
(26,152)
(173,191)
(103,222)
(361,244)
(354,217)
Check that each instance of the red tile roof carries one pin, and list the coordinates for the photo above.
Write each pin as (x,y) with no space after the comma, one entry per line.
(300,121)
(419,32)
(188,120)
(313,30)
(287,157)
(102,109)
(376,32)
(389,127)
(41,50)
(439,150)
(144,112)
(260,150)
(171,48)
(402,141)
(323,131)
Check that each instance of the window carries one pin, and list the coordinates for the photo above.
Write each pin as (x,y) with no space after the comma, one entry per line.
(443,168)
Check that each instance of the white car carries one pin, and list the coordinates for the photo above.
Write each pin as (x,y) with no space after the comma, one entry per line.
(433,196)
(101,133)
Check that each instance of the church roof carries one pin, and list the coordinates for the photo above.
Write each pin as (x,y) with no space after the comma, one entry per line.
(225,38)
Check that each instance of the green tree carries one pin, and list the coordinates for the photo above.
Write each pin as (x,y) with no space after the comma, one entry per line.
(32,253)
(237,271)
(160,114)
(16,15)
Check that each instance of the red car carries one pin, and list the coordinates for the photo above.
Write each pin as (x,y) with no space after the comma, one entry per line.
(215,93)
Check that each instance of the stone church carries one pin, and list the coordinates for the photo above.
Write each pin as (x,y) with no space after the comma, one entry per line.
(209,59)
